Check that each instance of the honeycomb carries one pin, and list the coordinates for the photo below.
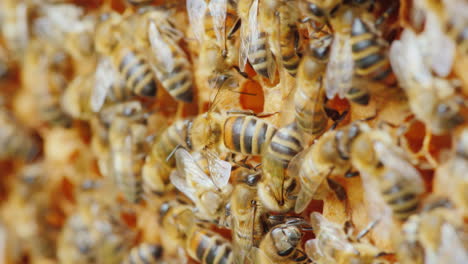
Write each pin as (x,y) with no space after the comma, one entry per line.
(233,131)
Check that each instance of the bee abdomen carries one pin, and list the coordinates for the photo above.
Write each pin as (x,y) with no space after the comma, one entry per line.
(358,95)
(247,134)
(290,60)
(179,83)
(138,74)
(369,56)
(310,114)
(210,248)
(173,136)
(145,254)
(285,144)
(402,200)
(259,57)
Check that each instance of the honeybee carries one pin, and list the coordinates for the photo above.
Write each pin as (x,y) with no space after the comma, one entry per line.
(145,253)
(320,12)
(456,24)
(94,234)
(170,63)
(434,236)
(208,247)
(277,188)
(176,219)
(255,40)
(370,54)
(76,99)
(159,162)
(431,99)
(385,167)
(14,27)
(210,193)
(126,137)
(17,141)
(246,214)
(125,59)
(332,245)
(44,74)
(329,154)
(281,245)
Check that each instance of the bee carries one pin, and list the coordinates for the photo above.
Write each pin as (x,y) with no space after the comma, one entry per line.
(127,155)
(431,99)
(246,214)
(332,245)
(159,162)
(94,235)
(255,40)
(281,245)
(210,193)
(328,154)
(14,27)
(320,12)
(176,219)
(289,37)
(369,55)
(76,99)
(311,117)
(456,24)
(49,65)
(208,247)
(145,253)
(171,64)
(434,236)
(385,167)
(125,59)
(17,142)
(277,188)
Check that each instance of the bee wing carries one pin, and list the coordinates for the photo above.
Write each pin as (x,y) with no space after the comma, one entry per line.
(436,41)
(161,50)
(218,9)
(104,77)
(196,11)
(340,68)
(249,31)
(220,170)
(407,61)
(181,184)
(393,158)
(188,167)
(451,249)
(241,252)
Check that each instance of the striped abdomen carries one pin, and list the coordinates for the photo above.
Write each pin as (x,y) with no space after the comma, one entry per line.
(308,101)
(208,247)
(359,95)
(370,57)
(288,39)
(247,134)
(401,197)
(260,55)
(51,111)
(285,144)
(136,72)
(178,82)
(16,142)
(172,137)
(118,92)
(144,253)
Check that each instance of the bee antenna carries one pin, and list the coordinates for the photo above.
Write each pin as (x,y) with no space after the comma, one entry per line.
(173,152)
(367,229)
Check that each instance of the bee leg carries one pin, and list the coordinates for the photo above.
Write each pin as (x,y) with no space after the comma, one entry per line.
(339,119)
(234,29)
(366,230)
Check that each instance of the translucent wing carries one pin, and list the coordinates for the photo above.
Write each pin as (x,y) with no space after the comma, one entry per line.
(218,9)
(181,184)
(392,158)
(407,61)
(249,32)
(220,170)
(188,168)
(161,50)
(105,76)
(196,12)
(340,68)
(436,41)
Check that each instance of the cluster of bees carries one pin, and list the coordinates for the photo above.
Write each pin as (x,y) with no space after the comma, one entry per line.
(234,131)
